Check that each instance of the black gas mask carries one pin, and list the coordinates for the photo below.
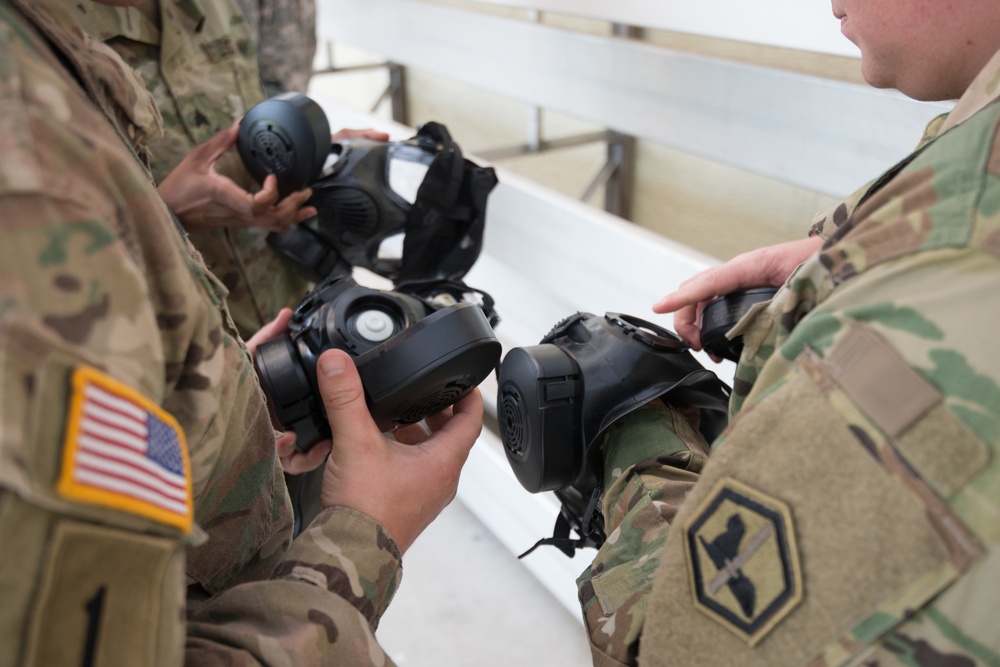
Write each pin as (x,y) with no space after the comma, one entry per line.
(554,400)
(417,353)
(419,347)
(368,191)
(721,315)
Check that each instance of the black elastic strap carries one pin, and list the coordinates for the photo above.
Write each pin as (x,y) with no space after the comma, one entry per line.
(592,534)
(445,225)
(560,539)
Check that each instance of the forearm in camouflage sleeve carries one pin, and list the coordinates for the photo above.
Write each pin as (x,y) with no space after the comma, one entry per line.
(652,458)
(321,606)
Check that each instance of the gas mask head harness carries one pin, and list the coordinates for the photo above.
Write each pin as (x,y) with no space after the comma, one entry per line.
(368,191)
(555,399)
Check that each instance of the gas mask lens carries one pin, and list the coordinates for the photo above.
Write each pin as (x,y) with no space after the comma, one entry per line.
(366,191)
(407,166)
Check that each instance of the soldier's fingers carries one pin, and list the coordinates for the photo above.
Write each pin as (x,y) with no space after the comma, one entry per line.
(227,199)
(743,271)
(284,444)
(266,197)
(221,142)
(366,133)
(686,326)
(412,434)
(344,400)
(272,329)
(300,462)
(701,287)
(459,430)
(206,153)
(436,421)
(764,267)
(286,212)
(305,213)
(417,433)
(459,433)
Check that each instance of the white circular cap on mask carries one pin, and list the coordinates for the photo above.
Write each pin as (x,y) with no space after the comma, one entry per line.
(374,325)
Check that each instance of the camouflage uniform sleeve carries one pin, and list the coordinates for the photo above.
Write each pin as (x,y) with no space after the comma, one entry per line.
(652,458)
(122,398)
(330,591)
(848,514)
(285,34)
(843,513)
(849,509)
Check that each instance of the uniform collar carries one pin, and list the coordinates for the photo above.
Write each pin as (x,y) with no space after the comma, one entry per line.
(984,90)
(134,23)
(180,20)
(165,24)
(109,82)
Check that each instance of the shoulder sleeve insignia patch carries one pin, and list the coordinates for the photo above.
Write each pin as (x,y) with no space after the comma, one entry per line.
(123,451)
(743,560)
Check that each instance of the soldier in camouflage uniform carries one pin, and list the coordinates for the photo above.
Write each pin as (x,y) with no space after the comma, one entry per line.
(285,34)
(143,518)
(198,60)
(848,516)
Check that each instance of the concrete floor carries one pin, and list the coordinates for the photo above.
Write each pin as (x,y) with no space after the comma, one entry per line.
(465,600)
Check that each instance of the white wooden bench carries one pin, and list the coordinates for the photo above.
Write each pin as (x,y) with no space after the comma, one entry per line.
(547,256)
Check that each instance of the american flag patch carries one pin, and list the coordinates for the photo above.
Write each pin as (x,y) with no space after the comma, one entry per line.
(124,451)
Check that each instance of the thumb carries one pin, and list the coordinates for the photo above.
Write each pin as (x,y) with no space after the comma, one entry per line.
(223,140)
(343,398)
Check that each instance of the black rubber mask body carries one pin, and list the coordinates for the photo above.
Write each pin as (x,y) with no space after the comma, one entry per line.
(421,188)
(557,397)
(414,358)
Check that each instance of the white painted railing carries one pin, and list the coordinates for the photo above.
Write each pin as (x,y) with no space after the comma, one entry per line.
(804,26)
(818,134)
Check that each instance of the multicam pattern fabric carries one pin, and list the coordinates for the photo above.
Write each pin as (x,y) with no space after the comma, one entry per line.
(197,58)
(95,273)
(646,497)
(285,34)
(825,223)
(867,402)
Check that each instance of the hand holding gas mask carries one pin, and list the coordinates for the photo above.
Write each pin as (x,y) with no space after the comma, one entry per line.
(555,399)
(417,353)
(367,191)
(419,347)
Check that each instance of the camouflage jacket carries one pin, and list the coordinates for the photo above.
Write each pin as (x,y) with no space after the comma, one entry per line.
(285,34)
(198,60)
(138,475)
(848,515)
